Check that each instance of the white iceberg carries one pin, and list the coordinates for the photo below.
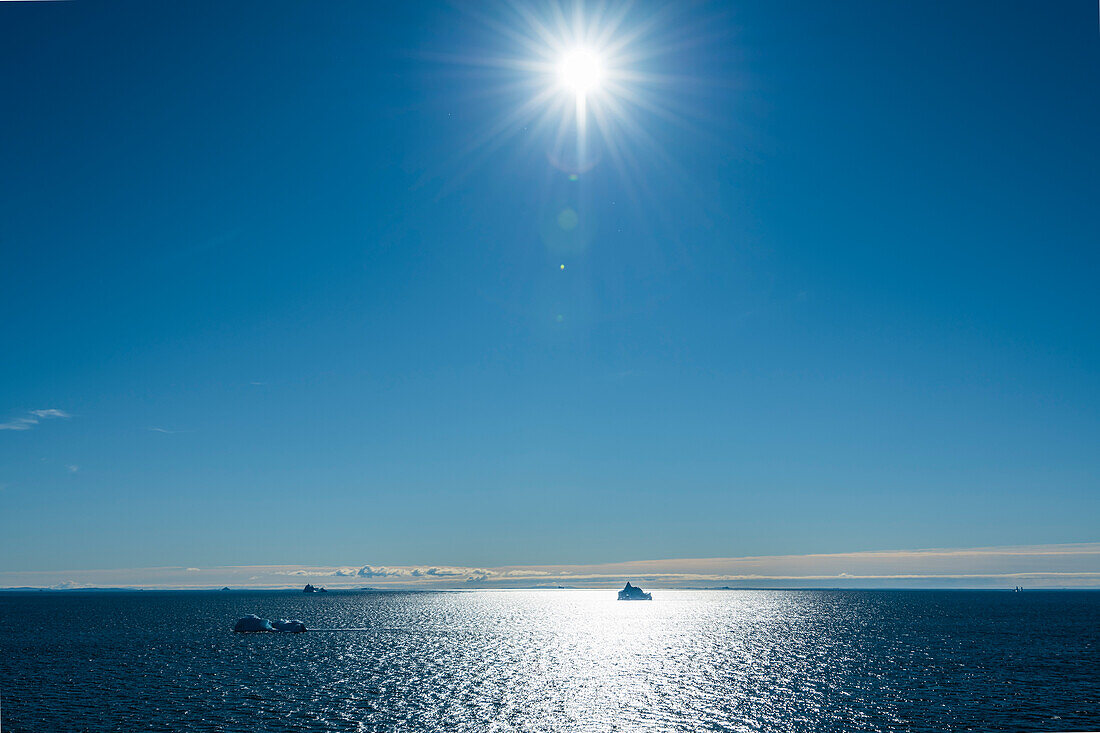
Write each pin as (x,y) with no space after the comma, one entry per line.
(294,626)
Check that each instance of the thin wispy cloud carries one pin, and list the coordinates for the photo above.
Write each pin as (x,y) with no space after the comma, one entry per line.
(33,417)
(49,413)
(1035,566)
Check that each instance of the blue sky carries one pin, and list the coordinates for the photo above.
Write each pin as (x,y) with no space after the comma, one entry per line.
(298,290)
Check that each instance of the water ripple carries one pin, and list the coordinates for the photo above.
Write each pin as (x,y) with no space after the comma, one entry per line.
(553,661)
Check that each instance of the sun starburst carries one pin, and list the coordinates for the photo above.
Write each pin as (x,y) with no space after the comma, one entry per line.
(580,86)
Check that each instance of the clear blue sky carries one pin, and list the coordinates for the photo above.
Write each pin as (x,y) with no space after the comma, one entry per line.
(296,313)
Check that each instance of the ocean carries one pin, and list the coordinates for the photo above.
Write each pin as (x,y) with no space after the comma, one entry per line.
(545,660)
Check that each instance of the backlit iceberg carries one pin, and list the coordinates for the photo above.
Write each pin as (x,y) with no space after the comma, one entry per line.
(252,623)
(634,593)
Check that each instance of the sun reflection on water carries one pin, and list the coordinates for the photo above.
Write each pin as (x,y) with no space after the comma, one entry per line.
(564,660)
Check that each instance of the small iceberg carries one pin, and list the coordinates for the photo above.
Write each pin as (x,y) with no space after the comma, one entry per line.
(311,589)
(634,593)
(253,623)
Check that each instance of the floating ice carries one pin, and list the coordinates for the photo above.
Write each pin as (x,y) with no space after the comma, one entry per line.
(253,622)
(634,593)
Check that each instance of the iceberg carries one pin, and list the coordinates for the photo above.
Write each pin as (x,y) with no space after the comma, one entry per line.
(312,589)
(251,623)
(634,593)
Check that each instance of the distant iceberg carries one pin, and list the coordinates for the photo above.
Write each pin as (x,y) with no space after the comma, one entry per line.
(311,589)
(253,623)
(634,593)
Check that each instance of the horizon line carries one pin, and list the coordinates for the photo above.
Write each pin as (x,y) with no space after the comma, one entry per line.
(510,589)
(1075,565)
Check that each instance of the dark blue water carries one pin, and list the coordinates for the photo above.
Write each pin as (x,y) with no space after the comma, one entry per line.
(553,661)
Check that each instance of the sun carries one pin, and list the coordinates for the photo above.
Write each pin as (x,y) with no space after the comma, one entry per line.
(583,80)
(580,70)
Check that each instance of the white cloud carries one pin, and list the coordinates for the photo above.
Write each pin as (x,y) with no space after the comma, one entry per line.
(19,423)
(323,572)
(32,418)
(1052,566)
(49,413)
(372,572)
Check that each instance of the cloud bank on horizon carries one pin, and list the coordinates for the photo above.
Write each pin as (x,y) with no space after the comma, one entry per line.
(1035,566)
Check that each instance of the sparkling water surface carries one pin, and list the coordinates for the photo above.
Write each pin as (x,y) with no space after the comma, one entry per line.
(565,660)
